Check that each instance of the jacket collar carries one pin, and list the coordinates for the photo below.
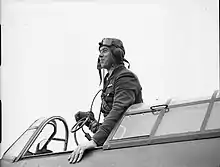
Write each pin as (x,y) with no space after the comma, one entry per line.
(115,71)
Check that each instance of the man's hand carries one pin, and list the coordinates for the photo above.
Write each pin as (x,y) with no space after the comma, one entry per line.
(94,126)
(80,114)
(77,154)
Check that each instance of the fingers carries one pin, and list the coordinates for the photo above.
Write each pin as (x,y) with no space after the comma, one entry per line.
(71,157)
(80,155)
(76,155)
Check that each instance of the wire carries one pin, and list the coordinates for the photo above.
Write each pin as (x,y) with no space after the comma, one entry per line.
(99,116)
(94,99)
(81,122)
(75,138)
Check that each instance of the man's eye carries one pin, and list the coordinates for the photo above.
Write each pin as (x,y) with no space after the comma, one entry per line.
(104,51)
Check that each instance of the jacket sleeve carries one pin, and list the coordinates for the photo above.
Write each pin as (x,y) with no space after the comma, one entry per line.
(125,88)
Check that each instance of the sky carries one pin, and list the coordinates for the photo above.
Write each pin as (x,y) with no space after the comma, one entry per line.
(50,51)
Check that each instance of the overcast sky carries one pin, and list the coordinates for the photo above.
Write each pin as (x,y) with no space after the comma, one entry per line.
(50,50)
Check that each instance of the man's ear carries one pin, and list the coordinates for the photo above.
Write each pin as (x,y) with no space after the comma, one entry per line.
(118,54)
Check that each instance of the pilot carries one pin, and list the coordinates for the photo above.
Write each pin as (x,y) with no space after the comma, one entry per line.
(121,89)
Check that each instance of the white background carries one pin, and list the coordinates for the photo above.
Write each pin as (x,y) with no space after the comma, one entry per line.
(50,50)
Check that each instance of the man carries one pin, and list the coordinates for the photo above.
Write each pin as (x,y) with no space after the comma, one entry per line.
(121,89)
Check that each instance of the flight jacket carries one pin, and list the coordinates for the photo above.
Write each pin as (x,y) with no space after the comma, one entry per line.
(120,91)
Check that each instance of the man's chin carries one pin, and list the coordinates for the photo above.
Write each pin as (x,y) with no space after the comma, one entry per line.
(103,66)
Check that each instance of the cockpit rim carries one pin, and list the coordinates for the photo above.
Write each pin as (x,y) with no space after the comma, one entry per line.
(151,139)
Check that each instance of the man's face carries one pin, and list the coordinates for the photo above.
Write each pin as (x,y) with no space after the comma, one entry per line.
(106,59)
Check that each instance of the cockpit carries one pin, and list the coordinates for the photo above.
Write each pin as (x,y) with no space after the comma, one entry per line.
(45,135)
(141,124)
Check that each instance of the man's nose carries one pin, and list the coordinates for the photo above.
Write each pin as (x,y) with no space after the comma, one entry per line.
(100,55)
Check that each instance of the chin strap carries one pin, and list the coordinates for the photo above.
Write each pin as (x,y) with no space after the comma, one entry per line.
(100,71)
(126,62)
(100,76)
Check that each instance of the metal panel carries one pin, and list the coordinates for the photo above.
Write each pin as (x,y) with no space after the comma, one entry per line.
(198,153)
(204,123)
(214,119)
(145,140)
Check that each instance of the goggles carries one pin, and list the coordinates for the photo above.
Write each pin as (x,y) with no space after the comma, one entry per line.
(106,42)
(111,42)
